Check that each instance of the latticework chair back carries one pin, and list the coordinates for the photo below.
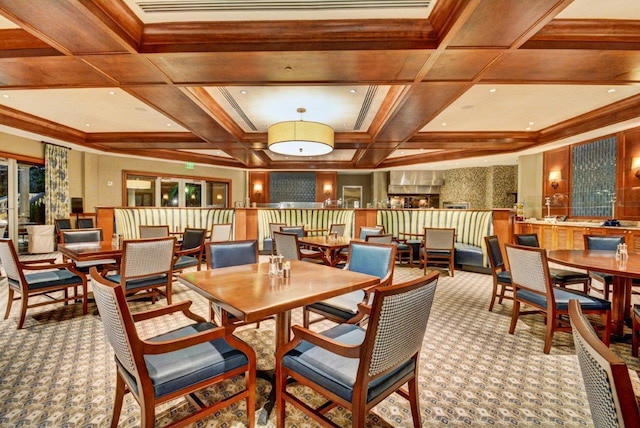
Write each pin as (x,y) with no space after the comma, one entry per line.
(275,227)
(398,323)
(606,377)
(338,228)
(9,260)
(147,231)
(147,257)
(193,238)
(287,245)
(494,252)
(114,311)
(529,269)
(81,235)
(372,259)
(386,238)
(221,232)
(232,253)
(439,239)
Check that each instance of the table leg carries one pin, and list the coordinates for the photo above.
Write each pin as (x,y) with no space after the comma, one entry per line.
(283,329)
(618,299)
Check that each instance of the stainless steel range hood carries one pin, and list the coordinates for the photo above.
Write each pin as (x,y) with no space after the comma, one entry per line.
(415,182)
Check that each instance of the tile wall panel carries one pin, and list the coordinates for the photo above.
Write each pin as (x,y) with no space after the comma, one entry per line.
(292,187)
(593,178)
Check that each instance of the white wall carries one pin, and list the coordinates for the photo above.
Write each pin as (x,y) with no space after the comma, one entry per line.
(530,184)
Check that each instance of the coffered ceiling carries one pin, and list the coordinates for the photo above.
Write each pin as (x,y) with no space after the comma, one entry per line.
(402,82)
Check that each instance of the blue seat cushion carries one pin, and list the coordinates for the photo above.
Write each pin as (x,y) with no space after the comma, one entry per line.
(53,278)
(504,277)
(336,373)
(562,297)
(185,262)
(133,284)
(175,370)
(467,254)
(344,306)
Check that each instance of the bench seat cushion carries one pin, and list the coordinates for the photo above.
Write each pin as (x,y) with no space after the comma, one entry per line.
(467,254)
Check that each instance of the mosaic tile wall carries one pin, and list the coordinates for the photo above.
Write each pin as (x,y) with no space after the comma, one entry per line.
(484,188)
(591,193)
(292,187)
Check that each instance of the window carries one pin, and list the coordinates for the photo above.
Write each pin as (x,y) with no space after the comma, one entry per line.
(146,190)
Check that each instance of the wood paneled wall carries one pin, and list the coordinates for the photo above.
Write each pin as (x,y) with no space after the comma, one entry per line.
(323,178)
(627,184)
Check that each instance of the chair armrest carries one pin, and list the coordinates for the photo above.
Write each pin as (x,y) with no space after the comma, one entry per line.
(180,253)
(165,310)
(184,342)
(364,311)
(317,339)
(47,266)
(35,262)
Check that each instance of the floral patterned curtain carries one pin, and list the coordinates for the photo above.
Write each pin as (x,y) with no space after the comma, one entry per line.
(56,183)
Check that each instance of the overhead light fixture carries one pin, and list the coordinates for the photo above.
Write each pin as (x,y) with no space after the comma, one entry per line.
(138,184)
(554,177)
(300,138)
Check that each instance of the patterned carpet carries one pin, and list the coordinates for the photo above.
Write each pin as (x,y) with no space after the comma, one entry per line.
(59,371)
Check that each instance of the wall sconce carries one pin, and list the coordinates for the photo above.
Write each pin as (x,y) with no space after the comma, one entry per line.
(328,189)
(257,189)
(554,177)
(635,165)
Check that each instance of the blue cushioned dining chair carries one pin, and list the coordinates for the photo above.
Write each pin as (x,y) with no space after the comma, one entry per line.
(39,277)
(602,243)
(610,393)
(357,368)
(74,236)
(532,286)
(559,277)
(191,249)
(226,254)
(364,257)
(147,265)
(173,364)
(501,276)
(362,234)
(85,223)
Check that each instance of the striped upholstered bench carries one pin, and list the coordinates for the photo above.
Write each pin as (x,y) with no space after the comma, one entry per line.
(471,228)
(129,220)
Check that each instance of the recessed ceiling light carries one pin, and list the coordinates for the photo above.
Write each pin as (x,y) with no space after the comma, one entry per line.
(168,124)
(422,150)
(243,92)
(87,125)
(528,128)
(444,123)
(5,96)
(112,92)
(611,90)
(353,91)
(492,90)
(530,123)
(140,109)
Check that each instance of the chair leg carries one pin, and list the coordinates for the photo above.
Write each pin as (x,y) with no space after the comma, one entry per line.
(305,318)
(147,415)
(9,303)
(494,293)
(414,402)
(634,341)
(606,336)
(117,401)
(548,337)
(515,312)
(281,385)
(23,310)
(169,286)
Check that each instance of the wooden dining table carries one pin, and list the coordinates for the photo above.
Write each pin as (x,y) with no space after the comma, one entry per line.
(605,261)
(330,246)
(249,293)
(85,251)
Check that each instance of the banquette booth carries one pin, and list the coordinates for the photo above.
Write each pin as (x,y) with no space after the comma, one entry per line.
(253,223)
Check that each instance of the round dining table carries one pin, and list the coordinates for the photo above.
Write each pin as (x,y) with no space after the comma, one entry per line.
(623,271)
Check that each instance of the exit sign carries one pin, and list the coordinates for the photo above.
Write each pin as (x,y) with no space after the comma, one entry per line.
(189,165)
